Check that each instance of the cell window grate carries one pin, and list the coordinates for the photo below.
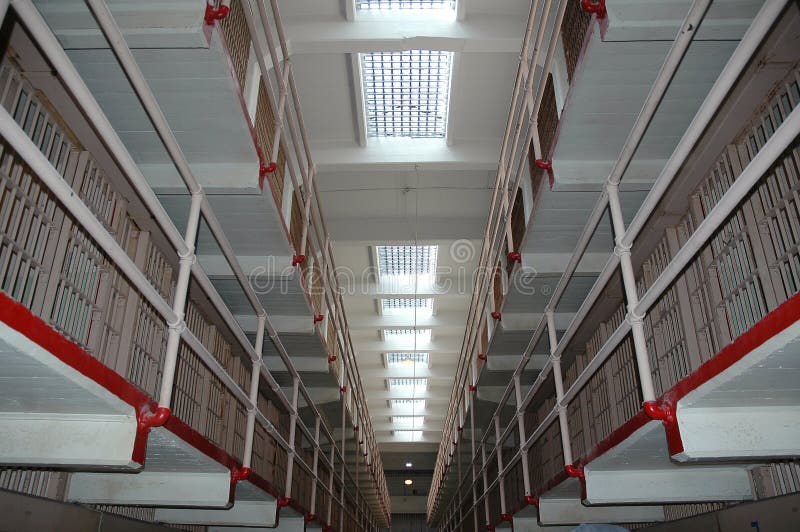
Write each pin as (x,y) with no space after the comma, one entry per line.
(406,94)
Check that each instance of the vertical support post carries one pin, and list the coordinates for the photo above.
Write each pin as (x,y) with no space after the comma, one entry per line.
(500,478)
(485,484)
(330,484)
(555,359)
(526,476)
(186,260)
(313,508)
(254,379)
(473,456)
(631,296)
(278,122)
(292,431)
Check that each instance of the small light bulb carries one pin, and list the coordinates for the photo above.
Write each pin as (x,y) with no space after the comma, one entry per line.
(409,465)
(408,482)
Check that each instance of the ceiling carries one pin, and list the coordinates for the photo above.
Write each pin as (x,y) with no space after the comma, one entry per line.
(404,191)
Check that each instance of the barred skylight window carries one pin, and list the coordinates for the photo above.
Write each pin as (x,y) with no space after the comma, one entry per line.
(406,94)
(408,422)
(421,336)
(406,4)
(407,404)
(420,307)
(407,261)
(409,385)
(394,360)
(408,435)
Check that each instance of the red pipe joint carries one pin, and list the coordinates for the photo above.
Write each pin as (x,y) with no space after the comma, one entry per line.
(148,420)
(283,502)
(212,15)
(332,358)
(544,165)
(240,474)
(482,356)
(531,500)
(496,315)
(660,412)
(574,471)
(310,517)
(515,256)
(595,7)
(506,517)
(355,429)
(489,526)
(318,318)
(472,387)
(343,389)
(460,429)
(327,528)
(298,259)
(265,169)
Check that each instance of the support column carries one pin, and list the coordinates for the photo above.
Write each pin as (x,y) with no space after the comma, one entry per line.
(555,358)
(631,295)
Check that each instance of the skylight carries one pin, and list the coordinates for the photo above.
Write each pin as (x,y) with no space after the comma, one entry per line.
(420,307)
(406,4)
(410,385)
(407,260)
(394,360)
(421,336)
(408,435)
(406,94)
(407,404)
(408,422)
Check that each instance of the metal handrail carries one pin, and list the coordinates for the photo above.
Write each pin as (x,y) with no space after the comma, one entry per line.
(173,317)
(733,69)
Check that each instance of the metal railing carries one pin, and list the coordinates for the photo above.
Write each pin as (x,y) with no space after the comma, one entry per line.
(182,336)
(554,399)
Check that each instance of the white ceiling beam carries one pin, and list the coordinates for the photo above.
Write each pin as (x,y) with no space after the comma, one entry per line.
(358,96)
(481,34)
(407,155)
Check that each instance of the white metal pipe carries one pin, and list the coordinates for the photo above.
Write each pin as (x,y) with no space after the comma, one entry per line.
(730,74)
(176,327)
(631,295)
(561,407)
(255,376)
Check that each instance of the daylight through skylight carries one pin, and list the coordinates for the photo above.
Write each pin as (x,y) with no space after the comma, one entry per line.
(407,260)
(406,94)
(406,4)
(420,307)
(408,435)
(408,422)
(407,359)
(407,404)
(407,335)
(410,385)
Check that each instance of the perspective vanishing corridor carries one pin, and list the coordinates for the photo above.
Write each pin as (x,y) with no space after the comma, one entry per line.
(408,265)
